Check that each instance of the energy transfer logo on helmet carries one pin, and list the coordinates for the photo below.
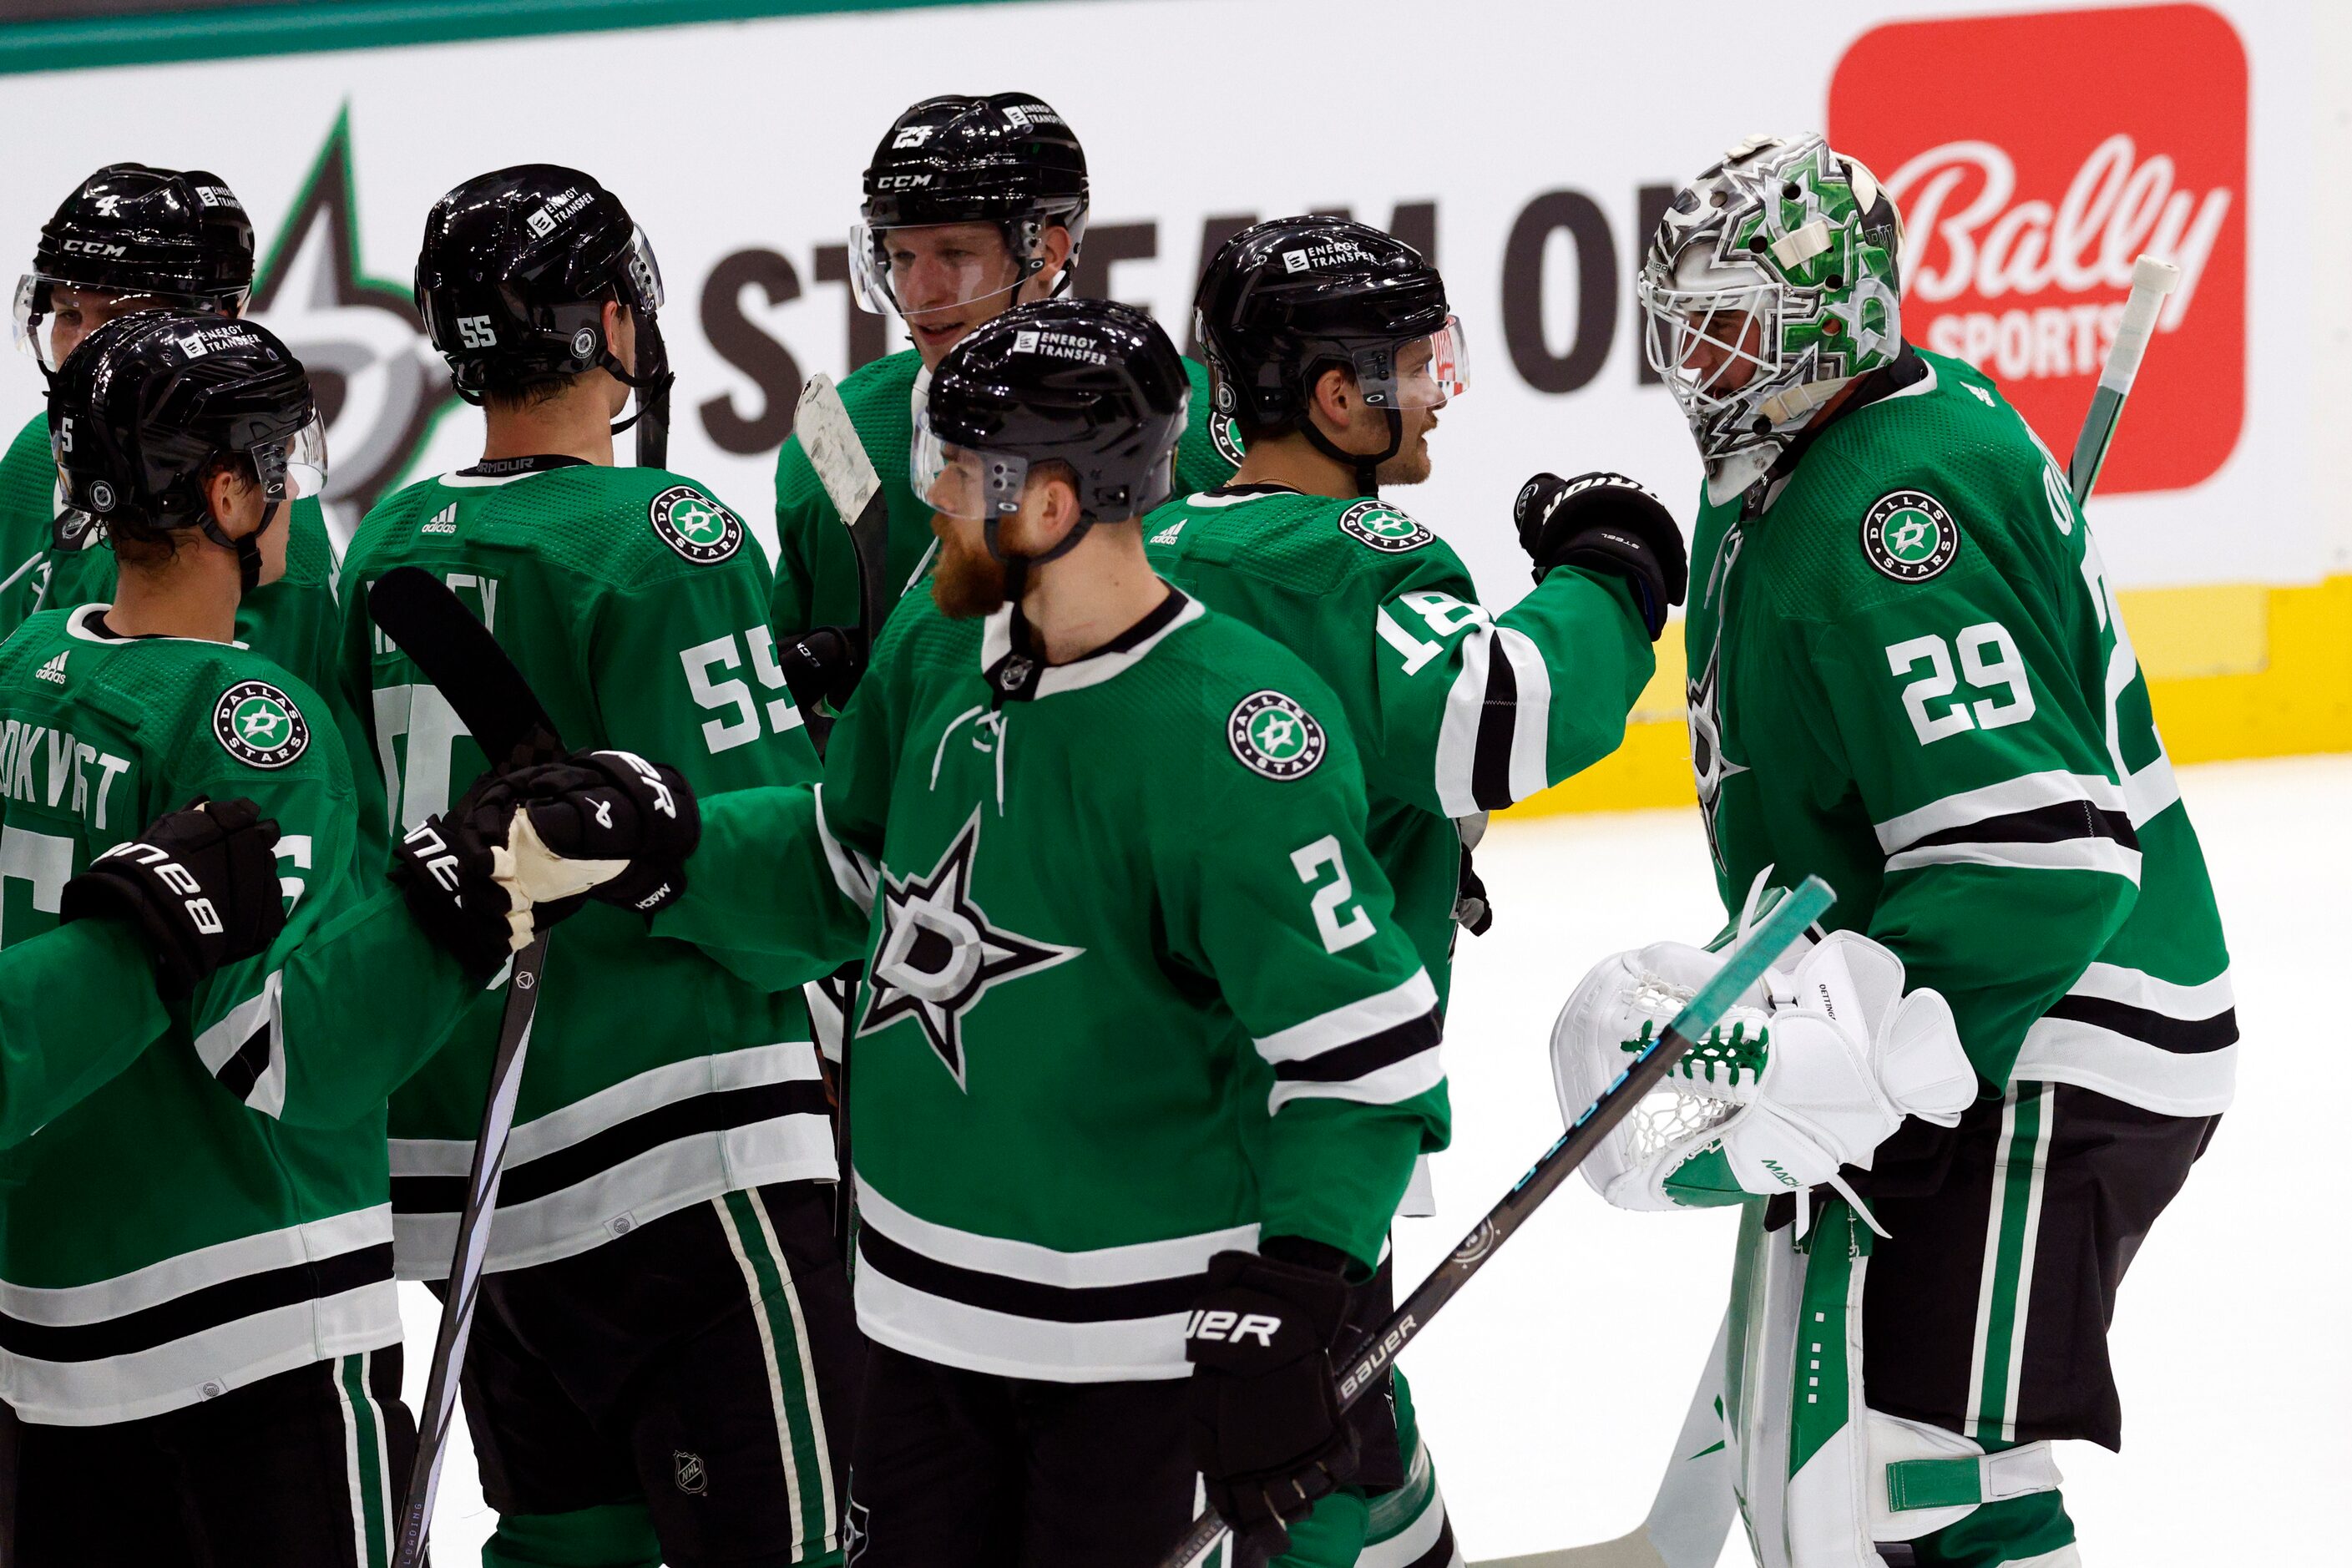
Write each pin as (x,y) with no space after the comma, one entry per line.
(1380,526)
(1770,283)
(260,725)
(1909,536)
(694,525)
(1276,737)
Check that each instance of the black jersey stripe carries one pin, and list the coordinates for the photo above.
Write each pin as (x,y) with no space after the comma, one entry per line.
(2054,824)
(1498,722)
(2182,1037)
(209,1308)
(719,1111)
(1026,1298)
(241,1072)
(1369,1055)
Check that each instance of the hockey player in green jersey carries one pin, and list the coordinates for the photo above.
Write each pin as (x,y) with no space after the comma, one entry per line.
(973,206)
(135,238)
(1333,345)
(1909,675)
(196,1296)
(1115,1075)
(663,1362)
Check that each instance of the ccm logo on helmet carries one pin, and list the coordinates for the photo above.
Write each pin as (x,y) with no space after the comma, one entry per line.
(1233,1328)
(902,182)
(94,248)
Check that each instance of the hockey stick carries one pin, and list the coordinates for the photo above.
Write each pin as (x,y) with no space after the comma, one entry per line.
(1765,942)
(458,654)
(2152,281)
(831,443)
(1692,1513)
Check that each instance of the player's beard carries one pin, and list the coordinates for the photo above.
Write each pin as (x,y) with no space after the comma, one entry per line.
(966,584)
(1411,466)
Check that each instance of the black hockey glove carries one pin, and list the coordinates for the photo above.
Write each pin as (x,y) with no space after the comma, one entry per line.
(447,868)
(1605,523)
(201,886)
(611,806)
(1268,1434)
(822,667)
(1471,909)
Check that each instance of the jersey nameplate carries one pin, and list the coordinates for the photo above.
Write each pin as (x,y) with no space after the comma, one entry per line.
(260,725)
(1907,535)
(1380,526)
(1276,737)
(694,525)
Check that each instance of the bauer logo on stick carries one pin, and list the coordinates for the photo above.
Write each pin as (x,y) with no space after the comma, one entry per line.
(694,525)
(1909,536)
(1275,736)
(260,725)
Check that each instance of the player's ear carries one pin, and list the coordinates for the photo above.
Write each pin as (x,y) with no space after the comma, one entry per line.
(1056,510)
(1056,244)
(229,494)
(1335,396)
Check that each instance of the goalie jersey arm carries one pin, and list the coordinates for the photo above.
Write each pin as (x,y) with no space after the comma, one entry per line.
(1459,710)
(1970,714)
(77,1005)
(1286,911)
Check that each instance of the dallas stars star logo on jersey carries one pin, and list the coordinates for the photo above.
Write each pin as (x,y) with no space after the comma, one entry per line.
(1907,535)
(694,525)
(940,954)
(1275,736)
(1383,528)
(260,725)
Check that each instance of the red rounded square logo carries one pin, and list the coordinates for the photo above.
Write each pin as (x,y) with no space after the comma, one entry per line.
(2033,158)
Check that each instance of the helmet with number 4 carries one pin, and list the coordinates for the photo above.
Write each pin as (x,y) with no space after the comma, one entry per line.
(1770,284)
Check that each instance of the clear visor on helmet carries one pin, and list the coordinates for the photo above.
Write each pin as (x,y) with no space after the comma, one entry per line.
(646,271)
(964,482)
(924,269)
(1431,371)
(1709,344)
(298,462)
(52,315)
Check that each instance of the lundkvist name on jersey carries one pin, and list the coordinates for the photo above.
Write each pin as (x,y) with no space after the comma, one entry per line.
(46,766)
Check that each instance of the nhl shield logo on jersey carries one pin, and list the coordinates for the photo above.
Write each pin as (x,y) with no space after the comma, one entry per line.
(1382,528)
(694,525)
(1909,536)
(940,954)
(1275,736)
(260,725)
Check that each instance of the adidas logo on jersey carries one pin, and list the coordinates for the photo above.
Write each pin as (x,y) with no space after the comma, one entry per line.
(1168,534)
(53,671)
(442,521)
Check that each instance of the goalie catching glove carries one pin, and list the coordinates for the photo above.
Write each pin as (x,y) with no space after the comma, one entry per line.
(200,885)
(1812,1069)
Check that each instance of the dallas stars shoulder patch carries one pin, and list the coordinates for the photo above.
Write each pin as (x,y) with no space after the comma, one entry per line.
(1225,435)
(1275,737)
(1379,526)
(260,725)
(1907,535)
(694,525)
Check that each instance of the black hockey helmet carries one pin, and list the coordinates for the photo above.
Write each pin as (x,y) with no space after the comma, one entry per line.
(149,402)
(161,237)
(513,278)
(1089,383)
(1284,299)
(1007,159)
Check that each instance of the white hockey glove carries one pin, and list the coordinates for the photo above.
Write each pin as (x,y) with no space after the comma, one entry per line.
(1811,1070)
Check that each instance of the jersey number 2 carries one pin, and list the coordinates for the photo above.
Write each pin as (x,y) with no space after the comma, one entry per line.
(1338,934)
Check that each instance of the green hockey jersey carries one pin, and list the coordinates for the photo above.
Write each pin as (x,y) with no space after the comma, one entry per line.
(816,572)
(1456,711)
(1908,674)
(635,605)
(187,1212)
(1134,995)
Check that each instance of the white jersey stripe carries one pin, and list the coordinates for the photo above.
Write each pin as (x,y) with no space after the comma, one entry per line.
(1530,715)
(1457,731)
(768,1359)
(1139,1263)
(1344,1026)
(353,1483)
(955,1333)
(2066,855)
(817,1427)
(2028,792)
(74,1305)
(1391,1085)
(852,872)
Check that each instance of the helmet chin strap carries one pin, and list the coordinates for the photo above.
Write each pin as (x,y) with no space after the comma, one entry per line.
(247,548)
(1016,570)
(1367,468)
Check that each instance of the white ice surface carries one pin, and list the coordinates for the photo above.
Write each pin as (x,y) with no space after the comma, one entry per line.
(1552,1387)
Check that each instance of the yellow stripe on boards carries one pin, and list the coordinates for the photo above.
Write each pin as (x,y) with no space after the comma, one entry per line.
(2234,671)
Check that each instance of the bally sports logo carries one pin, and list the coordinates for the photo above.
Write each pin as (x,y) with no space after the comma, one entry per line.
(2033,158)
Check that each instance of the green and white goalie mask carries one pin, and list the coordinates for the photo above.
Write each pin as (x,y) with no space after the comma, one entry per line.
(1770,283)
(1812,1069)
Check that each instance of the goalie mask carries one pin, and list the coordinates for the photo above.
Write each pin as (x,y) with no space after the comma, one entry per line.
(1770,284)
(1811,1071)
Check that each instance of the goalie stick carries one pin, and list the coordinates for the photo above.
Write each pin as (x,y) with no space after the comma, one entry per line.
(1691,1516)
(1745,966)
(457,655)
